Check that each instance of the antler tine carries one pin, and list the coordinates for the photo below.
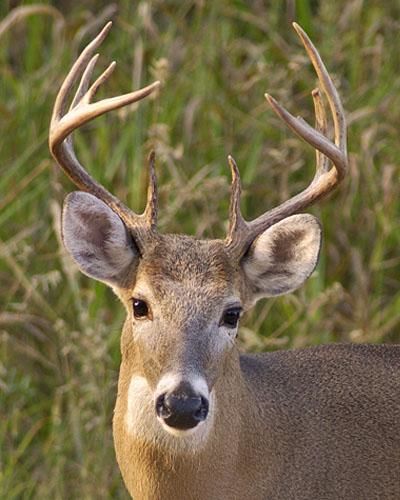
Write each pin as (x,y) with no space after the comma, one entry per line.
(82,61)
(82,111)
(84,83)
(325,179)
(331,93)
(236,222)
(321,125)
(151,209)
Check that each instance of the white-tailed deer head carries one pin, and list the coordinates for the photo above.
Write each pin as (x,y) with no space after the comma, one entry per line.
(184,391)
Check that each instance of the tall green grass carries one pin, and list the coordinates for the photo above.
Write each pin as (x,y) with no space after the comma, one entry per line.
(59,332)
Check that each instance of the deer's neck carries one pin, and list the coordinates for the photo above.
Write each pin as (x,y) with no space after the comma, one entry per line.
(155,464)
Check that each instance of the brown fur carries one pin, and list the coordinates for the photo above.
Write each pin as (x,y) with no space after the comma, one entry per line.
(320,423)
(284,249)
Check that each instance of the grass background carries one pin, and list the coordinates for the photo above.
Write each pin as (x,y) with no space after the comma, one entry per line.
(59,331)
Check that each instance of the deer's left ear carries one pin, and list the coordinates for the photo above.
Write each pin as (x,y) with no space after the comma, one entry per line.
(283,256)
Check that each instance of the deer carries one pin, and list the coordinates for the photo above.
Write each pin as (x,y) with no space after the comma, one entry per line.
(194,417)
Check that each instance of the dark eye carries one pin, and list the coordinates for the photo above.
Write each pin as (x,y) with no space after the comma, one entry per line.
(231,317)
(140,309)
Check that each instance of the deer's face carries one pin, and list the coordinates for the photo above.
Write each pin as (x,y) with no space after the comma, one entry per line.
(183,305)
(184,298)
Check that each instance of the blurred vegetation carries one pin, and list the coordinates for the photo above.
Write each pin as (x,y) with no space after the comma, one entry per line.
(59,331)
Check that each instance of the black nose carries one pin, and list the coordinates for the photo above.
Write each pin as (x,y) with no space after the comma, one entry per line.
(182,408)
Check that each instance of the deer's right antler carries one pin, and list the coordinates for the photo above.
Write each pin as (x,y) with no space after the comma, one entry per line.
(241,233)
(82,111)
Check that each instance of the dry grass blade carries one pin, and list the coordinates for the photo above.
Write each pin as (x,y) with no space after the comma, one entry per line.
(21,13)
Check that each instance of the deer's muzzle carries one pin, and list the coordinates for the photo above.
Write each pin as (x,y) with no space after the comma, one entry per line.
(182,408)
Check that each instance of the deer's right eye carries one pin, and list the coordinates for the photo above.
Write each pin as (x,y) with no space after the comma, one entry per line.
(140,309)
(231,317)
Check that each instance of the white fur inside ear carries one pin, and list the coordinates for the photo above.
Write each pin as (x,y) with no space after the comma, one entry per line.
(283,256)
(96,238)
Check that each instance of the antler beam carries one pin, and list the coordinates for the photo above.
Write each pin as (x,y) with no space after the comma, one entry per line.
(241,233)
(81,111)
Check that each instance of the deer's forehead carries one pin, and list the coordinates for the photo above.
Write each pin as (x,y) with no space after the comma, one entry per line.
(181,265)
(181,258)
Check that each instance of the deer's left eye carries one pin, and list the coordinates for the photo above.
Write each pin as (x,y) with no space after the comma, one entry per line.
(140,309)
(230,318)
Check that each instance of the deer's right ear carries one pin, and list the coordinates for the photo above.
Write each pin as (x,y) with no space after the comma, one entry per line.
(97,239)
(281,259)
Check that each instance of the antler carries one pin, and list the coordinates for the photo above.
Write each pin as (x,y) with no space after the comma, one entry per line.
(241,233)
(82,111)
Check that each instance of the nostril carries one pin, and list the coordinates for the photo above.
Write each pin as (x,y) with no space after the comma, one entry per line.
(202,411)
(162,410)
